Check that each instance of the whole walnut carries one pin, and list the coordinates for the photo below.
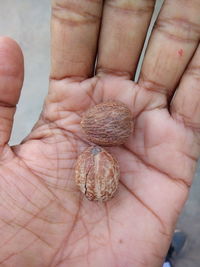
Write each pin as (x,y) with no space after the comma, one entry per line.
(108,123)
(97,174)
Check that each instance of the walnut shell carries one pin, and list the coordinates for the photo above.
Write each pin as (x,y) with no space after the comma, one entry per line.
(97,174)
(108,124)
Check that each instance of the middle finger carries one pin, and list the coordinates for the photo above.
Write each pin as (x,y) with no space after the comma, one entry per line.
(123,31)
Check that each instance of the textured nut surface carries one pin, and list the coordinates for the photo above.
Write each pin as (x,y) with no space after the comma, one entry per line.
(108,124)
(97,174)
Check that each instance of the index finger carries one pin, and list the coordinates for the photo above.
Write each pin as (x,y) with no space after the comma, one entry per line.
(74,28)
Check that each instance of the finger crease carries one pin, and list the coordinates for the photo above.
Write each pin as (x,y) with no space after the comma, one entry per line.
(6,105)
(73,15)
(71,78)
(186,121)
(131,10)
(179,29)
(194,71)
(115,72)
(95,1)
(151,85)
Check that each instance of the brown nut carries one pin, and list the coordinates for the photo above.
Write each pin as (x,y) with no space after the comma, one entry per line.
(97,174)
(108,123)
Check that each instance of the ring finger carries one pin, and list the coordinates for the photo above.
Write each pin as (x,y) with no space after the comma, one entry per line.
(173,43)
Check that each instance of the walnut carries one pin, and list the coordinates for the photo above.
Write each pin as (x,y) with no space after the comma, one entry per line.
(97,174)
(108,124)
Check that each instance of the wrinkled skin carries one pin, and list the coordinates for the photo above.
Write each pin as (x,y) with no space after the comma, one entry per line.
(44,219)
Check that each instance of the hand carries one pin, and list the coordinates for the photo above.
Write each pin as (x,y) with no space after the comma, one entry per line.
(45,220)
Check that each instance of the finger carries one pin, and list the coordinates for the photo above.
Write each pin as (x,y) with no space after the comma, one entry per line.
(185,105)
(75,28)
(122,35)
(173,42)
(11,79)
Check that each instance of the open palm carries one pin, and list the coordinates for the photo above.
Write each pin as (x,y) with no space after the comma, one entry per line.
(45,220)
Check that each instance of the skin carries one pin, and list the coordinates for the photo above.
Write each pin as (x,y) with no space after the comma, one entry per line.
(44,219)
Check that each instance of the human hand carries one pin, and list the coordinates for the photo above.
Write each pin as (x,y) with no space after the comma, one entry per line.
(45,221)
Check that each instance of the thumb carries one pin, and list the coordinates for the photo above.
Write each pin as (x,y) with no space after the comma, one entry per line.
(11,79)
